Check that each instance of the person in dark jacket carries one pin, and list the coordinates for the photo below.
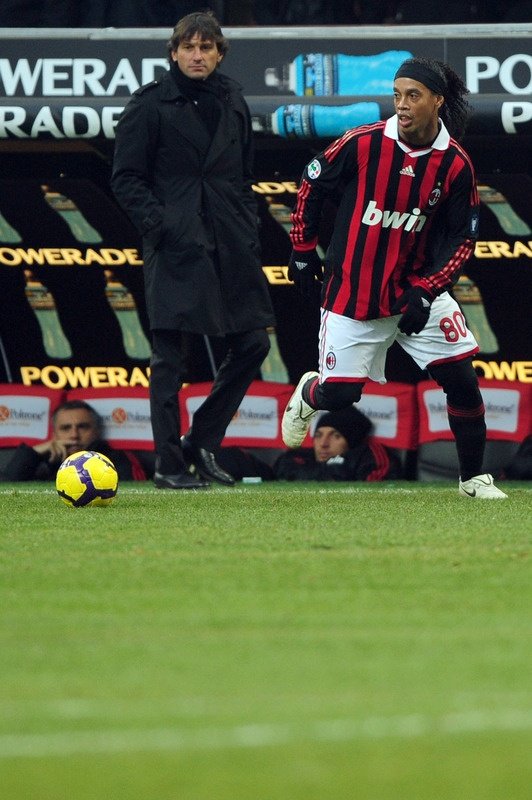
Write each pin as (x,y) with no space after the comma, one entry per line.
(76,426)
(183,173)
(342,450)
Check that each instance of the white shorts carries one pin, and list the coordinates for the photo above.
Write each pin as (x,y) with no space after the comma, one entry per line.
(356,349)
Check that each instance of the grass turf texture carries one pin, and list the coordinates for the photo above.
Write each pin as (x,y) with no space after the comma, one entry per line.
(273,642)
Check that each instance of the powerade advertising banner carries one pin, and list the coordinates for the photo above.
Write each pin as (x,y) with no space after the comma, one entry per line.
(73,84)
(72,311)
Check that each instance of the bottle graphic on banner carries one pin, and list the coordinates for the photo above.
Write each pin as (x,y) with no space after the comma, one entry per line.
(280,213)
(43,304)
(301,120)
(326,74)
(7,232)
(509,220)
(124,307)
(467,294)
(273,368)
(68,210)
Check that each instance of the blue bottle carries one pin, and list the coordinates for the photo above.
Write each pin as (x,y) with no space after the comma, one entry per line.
(300,120)
(326,74)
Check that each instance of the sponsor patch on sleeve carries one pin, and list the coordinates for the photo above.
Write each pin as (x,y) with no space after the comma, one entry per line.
(314,169)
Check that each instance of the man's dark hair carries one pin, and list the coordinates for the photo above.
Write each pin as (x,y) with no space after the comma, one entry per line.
(455,110)
(73,405)
(203,23)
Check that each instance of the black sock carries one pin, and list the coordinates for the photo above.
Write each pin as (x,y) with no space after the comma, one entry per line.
(469,430)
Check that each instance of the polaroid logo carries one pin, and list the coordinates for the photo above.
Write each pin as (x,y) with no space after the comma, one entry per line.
(381,416)
(438,407)
(393,219)
(124,419)
(27,416)
(243,414)
(498,408)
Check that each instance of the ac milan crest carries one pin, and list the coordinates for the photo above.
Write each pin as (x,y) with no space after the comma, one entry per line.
(330,360)
(434,196)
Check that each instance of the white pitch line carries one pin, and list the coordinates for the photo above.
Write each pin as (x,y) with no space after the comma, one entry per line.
(259,735)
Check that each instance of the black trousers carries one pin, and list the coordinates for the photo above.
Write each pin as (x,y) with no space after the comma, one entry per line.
(246,352)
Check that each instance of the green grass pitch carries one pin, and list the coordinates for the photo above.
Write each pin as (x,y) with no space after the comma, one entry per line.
(272,642)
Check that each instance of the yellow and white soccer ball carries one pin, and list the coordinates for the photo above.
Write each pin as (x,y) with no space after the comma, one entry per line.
(87,478)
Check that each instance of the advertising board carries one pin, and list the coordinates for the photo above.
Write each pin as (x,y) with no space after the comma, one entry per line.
(71,285)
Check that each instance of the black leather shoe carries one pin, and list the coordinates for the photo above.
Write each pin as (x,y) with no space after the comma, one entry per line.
(180,480)
(205,463)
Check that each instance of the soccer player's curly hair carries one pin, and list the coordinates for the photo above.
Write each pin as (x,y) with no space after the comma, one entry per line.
(456,110)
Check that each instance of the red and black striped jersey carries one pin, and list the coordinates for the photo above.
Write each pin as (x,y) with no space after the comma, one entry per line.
(405,217)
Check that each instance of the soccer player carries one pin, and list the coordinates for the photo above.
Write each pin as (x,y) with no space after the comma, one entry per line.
(406,224)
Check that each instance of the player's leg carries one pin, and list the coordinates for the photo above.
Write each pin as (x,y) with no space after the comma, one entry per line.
(350,351)
(445,348)
(465,412)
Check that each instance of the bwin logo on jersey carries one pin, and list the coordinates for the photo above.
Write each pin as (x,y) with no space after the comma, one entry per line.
(394,219)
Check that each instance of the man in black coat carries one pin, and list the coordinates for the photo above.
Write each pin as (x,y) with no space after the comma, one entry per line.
(183,174)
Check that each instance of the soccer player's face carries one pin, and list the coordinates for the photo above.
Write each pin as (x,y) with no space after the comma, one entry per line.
(417,111)
(197,58)
(76,428)
(328,442)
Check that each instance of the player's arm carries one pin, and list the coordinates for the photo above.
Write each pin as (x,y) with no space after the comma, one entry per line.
(454,237)
(450,245)
(320,179)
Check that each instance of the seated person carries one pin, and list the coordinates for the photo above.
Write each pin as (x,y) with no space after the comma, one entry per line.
(342,451)
(76,426)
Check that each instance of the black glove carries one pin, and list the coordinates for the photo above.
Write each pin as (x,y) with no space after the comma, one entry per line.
(415,308)
(303,269)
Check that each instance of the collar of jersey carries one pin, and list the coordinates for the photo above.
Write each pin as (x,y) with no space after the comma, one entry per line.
(441,142)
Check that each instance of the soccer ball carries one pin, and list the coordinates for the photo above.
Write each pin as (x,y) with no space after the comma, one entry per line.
(87,478)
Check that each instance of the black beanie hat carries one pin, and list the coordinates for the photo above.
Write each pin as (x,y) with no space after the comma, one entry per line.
(350,422)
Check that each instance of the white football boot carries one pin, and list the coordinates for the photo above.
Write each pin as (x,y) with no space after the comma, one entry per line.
(481,487)
(297,415)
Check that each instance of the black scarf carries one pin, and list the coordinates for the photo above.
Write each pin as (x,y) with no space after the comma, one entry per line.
(205,94)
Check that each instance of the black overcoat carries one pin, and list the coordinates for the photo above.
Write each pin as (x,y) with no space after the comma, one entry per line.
(189,195)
